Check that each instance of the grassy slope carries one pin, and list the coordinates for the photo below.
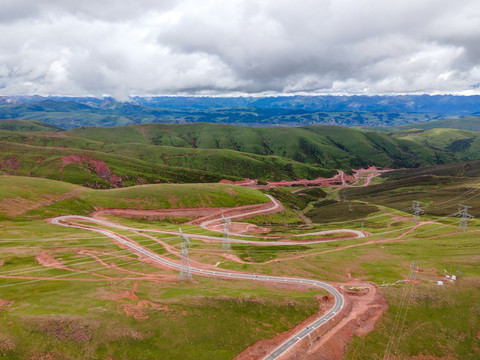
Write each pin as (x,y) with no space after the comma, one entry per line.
(203,320)
(439,195)
(458,169)
(163,162)
(468,123)
(23,196)
(327,146)
(46,161)
(26,126)
(465,144)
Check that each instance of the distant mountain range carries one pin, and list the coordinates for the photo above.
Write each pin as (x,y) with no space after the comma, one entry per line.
(72,112)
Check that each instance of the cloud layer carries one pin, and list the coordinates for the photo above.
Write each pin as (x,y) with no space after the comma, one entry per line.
(122,48)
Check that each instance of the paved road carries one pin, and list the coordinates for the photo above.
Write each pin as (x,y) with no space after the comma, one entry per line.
(275,205)
(339,301)
(355,233)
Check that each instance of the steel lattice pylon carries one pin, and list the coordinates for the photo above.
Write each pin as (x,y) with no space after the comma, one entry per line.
(226,239)
(185,271)
(463,211)
(417,211)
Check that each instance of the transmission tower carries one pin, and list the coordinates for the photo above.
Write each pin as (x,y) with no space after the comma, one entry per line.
(463,211)
(185,271)
(417,211)
(226,240)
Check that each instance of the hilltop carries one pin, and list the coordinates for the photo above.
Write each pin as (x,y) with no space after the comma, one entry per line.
(27,125)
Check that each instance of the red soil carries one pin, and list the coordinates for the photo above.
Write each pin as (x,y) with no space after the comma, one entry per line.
(98,166)
(140,310)
(12,164)
(246,182)
(241,228)
(47,259)
(358,175)
(5,303)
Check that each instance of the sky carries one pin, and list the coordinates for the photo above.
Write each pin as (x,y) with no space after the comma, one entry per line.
(235,47)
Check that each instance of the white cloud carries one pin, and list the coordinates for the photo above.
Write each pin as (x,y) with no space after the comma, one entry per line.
(119,47)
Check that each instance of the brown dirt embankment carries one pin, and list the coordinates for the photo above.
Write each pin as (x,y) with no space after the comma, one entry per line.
(198,215)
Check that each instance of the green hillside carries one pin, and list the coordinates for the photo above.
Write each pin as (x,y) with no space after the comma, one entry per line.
(325,146)
(74,160)
(457,169)
(464,144)
(27,126)
(439,195)
(150,153)
(92,168)
(467,123)
(34,197)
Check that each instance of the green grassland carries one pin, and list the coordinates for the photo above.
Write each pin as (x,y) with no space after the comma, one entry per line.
(209,319)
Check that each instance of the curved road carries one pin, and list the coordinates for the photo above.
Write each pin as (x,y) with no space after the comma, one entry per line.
(355,233)
(339,300)
(276,204)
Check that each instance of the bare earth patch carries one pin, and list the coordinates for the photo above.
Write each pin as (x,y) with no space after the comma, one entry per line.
(140,310)
(4,304)
(66,327)
(6,344)
(47,356)
(98,166)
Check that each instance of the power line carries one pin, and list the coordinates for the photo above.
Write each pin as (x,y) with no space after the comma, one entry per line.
(397,328)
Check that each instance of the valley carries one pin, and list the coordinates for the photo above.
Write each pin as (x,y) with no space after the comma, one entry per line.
(117,273)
